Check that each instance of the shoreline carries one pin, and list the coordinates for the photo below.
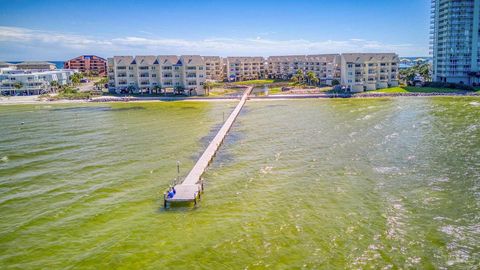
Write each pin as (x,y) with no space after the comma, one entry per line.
(32,100)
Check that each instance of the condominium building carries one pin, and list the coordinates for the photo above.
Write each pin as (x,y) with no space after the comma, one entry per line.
(369,71)
(39,65)
(29,82)
(284,67)
(140,74)
(89,64)
(325,66)
(455,37)
(245,68)
(214,68)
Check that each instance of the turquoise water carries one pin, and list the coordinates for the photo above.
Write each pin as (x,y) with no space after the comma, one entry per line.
(352,183)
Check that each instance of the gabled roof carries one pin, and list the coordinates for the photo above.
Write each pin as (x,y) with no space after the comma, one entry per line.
(287,58)
(167,59)
(369,57)
(247,59)
(123,60)
(193,60)
(212,58)
(144,60)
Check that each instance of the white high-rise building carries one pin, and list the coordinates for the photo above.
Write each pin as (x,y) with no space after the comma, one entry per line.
(455,38)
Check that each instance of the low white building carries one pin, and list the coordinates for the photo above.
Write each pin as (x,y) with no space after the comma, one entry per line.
(369,71)
(31,82)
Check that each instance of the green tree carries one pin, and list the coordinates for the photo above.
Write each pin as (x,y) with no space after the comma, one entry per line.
(157,89)
(208,85)
(54,85)
(294,79)
(130,89)
(18,85)
(75,78)
(300,75)
(424,71)
(312,78)
(335,82)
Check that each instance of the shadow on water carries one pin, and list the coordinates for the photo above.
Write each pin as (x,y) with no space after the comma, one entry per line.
(178,207)
(188,108)
(221,156)
(101,109)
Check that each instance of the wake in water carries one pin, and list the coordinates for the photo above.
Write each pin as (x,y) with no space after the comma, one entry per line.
(474,103)
(4,159)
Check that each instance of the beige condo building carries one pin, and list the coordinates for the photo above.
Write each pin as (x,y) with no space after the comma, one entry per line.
(325,66)
(369,71)
(241,68)
(214,68)
(144,74)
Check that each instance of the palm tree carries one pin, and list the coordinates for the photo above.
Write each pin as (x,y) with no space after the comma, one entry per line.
(294,79)
(130,89)
(312,77)
(75,78)
(208,85)
(18,85)
(300,75)
(54,85)
(157,88)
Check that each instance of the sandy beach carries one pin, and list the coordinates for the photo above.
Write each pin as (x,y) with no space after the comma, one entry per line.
(34,99)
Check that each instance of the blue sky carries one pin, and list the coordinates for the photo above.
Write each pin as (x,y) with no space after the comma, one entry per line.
(58,30)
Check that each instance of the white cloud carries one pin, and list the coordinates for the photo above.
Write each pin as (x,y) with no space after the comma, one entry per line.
(70,43)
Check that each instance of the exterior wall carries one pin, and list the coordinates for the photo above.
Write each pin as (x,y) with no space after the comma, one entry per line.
(33,82)
(357,71)
(88,63)
(152,73)
(364,71)
(245,68)
(455,34)
(326,67)
(215,68)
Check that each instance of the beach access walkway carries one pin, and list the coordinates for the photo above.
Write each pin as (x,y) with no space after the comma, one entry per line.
(192,186)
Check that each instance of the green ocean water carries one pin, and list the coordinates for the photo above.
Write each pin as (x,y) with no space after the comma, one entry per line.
(314,184)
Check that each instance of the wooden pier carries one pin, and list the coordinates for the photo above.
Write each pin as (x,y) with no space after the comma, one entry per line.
(192,186)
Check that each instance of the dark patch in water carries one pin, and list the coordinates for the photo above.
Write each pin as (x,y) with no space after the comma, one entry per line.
(101,109)
(82,109)
(275,106)
(136,108)
(188,108)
